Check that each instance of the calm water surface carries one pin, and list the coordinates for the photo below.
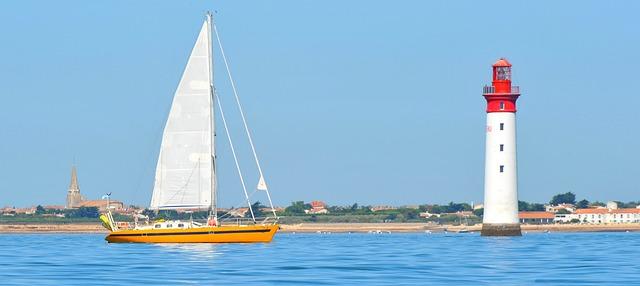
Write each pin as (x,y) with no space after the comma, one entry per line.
(327,259)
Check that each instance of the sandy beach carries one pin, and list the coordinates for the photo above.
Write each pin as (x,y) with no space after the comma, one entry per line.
(337,228)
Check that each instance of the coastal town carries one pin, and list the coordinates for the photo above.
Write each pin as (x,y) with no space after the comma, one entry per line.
(562,209)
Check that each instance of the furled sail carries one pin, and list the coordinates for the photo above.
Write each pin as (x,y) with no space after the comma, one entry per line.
(184,172)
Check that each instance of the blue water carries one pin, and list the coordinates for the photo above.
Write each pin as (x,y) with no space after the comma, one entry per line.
(327,259)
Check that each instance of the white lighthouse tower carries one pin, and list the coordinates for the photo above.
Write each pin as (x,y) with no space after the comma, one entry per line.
(501,173)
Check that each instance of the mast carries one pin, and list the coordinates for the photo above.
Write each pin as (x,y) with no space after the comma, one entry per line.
(213,208)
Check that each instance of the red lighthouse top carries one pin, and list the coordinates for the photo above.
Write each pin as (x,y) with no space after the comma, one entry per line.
(501,96)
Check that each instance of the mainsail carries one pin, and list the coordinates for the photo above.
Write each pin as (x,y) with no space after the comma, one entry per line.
(185,170)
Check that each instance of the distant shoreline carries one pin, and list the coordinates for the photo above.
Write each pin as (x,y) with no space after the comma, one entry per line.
(336,228)
(424,227)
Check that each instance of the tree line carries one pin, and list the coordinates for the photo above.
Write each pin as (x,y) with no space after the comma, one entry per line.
(81,212)
(299,208)
(570,198)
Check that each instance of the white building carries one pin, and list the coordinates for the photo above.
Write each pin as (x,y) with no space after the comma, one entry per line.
(601,216)
(556,208)
(562,218)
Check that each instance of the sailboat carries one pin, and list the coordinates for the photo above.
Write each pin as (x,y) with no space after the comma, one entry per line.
(185,177)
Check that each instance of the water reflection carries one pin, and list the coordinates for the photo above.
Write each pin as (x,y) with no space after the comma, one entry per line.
(194,251)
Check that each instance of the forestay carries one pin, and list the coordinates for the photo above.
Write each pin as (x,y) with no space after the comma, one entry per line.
(184,173)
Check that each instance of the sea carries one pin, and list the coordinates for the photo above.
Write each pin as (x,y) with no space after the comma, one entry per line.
(606,258)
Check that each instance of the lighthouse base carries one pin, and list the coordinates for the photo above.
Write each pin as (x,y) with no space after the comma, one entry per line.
(500,229)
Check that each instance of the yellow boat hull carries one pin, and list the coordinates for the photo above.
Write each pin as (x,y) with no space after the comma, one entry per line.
(216,234)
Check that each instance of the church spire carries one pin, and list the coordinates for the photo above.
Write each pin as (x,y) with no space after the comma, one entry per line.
(74,180)
(74,198)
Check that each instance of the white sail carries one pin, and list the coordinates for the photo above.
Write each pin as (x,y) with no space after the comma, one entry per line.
(262,185)
(184,173)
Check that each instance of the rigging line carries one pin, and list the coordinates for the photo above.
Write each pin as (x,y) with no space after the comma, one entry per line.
(233,206)
(244,121)
(233,151)
(227,213)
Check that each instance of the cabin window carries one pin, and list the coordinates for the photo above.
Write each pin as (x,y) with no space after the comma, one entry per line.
(169,225)
(501,147)
(501,105)
(180,225)
(501,168)
(501,126)
(157,226)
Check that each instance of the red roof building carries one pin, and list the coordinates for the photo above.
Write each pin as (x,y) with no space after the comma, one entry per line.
(318,205)
(536,217)
(602,215)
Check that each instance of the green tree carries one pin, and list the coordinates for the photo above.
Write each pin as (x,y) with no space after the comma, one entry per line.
(449,208)
(566,198)
(40,210)
(629,205)
(632,204)
(409,213)
(535,207)
(583,204)
(437,209)
(168,214)
(296,208)
(391,217)
(257,210)
(531,207)
(361,210)
(458,207)
(479,212)
(149,213)
(91,212)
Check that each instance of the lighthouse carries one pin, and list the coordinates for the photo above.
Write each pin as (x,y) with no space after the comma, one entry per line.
(500,171)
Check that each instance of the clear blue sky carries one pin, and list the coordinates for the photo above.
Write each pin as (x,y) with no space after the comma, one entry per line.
(376,102)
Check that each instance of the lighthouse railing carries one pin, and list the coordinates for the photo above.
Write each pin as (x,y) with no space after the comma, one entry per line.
(492,89)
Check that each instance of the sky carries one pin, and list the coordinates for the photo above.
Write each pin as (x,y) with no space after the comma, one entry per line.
(375,102)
